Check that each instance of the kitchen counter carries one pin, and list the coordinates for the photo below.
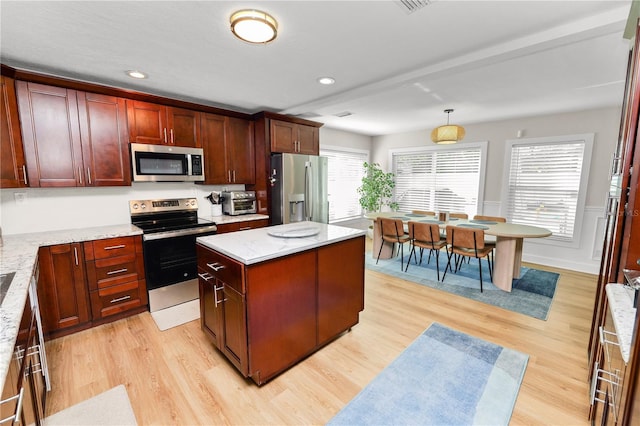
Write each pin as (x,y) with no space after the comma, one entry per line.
(19,254)
(257,245)
(620,299)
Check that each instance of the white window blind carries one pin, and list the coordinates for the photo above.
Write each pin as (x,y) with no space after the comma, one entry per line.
(440,179)
(546,183)
(345,176)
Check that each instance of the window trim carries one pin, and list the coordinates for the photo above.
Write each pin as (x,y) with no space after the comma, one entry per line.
(588,139)
(483,145)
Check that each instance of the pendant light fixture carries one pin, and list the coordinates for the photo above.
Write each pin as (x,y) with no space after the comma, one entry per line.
(254,26)
(451,133)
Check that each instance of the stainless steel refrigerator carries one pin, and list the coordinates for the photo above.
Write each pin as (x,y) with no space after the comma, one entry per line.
(299,188)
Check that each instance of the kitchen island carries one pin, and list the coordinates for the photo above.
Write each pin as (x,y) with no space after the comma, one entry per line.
(271,296)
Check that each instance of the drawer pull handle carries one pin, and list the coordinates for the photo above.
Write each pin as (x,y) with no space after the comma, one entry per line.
(17,415)
(215,266)
(117,271)
(215,296)
(245,228)
(120,299)
(206,276)
(115,247)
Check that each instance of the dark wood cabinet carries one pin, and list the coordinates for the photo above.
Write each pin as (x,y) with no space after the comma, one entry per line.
(115,276)
(13,169)
(62,289)
(228,149)
(267,316)
(73,138)
(163,125)
(621,251)
(294,138)
(241,226)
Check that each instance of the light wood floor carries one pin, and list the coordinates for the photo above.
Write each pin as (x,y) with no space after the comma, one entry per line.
(177,376)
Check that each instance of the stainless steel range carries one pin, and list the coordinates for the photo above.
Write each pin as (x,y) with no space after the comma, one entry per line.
(170,228)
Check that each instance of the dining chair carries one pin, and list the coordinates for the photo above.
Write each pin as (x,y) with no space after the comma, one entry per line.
(424,212)
(459,215)
(392,231)
(490,240)
(425,236)
(466,242)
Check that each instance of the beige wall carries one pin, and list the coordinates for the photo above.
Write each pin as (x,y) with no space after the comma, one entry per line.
(339,138)
(603,122)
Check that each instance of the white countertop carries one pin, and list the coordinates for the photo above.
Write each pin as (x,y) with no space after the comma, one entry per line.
(256,245)
(221,220)
(624,315)
(19,254)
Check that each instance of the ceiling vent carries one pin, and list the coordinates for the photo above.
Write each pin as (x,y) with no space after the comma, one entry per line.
(411,6)
(308,115)
(343,114)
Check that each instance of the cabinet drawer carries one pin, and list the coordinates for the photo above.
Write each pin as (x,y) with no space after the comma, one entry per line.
(115,299)
(111,247)
(226,270)
(116,270)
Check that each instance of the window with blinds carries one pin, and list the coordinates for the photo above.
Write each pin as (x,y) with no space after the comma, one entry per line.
(346,171)
(440,178)
(546,183)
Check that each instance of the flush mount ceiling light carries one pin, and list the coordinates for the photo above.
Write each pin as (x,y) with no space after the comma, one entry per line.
(451,133)
(326,80)
(136,74)
(254,26)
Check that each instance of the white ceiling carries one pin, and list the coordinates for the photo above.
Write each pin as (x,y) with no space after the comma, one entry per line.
(395,71)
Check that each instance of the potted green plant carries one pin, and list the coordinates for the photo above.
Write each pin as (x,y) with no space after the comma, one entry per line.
(376,190)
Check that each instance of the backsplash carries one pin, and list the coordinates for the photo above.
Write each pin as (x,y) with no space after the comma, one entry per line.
(49,209)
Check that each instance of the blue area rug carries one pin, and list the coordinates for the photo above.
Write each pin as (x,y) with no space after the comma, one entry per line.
(531,294)
(444,377)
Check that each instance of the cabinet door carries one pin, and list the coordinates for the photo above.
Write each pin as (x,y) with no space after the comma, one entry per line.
(51,135)
(241,150)
(283,136)
(63,293)
(103,127)
(234,334)
(308,140)
(184,127)
(147,122)
(213,144)
(340,287)
(13,170)
(210,307)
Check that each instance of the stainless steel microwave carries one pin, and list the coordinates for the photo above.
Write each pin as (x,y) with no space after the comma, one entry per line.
(162,163)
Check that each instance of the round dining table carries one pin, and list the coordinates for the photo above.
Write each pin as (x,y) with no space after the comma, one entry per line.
(509,238)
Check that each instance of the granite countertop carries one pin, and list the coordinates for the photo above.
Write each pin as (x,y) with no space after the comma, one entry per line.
(221,220)
(19,254)
(257,245)
(624,315)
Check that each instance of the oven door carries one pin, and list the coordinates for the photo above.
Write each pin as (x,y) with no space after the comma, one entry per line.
(170,258)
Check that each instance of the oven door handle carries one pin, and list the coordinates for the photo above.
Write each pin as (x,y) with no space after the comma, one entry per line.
(179,233)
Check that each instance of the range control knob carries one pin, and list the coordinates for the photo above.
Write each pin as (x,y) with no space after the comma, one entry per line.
(143,206)
(135,206)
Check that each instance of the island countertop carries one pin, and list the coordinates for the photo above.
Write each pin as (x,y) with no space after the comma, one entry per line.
(257,245)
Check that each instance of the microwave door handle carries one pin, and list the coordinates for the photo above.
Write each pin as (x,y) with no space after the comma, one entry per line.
(189,172)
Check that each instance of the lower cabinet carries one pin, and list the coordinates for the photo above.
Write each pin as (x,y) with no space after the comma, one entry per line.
(85,284)
(241,226)
(62,289)
(268,316)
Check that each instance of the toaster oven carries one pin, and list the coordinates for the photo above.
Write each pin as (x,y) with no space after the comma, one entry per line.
(238,202)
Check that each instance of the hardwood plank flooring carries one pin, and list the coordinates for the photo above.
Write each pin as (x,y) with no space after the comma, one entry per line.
(178,377)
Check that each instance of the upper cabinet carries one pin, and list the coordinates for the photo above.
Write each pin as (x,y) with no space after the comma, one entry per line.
(228,149)
(162,125)
(294,138)
(73,138)
(13,171)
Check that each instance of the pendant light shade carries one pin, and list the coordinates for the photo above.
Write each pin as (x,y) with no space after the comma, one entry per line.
(254,26)
(451,133)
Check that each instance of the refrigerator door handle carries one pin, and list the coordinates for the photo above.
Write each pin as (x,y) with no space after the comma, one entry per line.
(308,185)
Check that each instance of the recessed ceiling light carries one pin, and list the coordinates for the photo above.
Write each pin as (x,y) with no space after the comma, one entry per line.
(136,74)
(254,26)
(326,80)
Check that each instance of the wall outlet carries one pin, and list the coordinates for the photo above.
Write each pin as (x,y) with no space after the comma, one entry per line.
(20,197)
